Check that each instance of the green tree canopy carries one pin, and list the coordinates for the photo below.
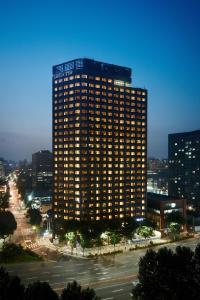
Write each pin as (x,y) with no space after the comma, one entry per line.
(75,292)
(174,230)
(145,231)
(35,217)
(40,291)
(4,200)
(8,224)
(128,227)
(169,275)
(10,286)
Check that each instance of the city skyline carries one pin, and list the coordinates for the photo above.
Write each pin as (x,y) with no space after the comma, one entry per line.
(160,43)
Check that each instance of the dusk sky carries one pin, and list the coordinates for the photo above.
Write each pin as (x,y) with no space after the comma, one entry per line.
(159,40)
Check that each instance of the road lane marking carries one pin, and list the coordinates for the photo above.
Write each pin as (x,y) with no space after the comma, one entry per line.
(81,273)
(113,285)
(117,291)
(30,278)
(104,278)
(70,279)
(110,298)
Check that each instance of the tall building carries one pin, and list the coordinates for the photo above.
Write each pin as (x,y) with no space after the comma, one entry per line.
(184,166)
(99,142)
(42,164)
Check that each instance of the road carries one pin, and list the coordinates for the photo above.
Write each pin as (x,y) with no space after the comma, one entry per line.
(110,276)
(24,231)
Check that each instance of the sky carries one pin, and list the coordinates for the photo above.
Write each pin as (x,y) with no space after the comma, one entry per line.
(159,40)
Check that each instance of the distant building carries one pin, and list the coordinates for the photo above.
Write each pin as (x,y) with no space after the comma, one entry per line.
(157,176)
(2,169)
(99,142)
(160,205)
(42,170)
(184,166)
(155,164)
(41,200)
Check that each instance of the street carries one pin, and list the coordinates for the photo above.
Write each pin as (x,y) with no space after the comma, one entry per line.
(110,276)
(24,230)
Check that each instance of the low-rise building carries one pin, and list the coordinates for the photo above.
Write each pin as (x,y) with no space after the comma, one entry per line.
(158,206)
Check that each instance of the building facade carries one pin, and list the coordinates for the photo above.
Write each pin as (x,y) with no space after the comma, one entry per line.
(184,166)
(99,142)
(158,206)
(42,170)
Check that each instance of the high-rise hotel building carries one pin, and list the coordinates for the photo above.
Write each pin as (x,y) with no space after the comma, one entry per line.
(99,142)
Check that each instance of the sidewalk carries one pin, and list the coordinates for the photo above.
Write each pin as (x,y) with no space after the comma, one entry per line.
(109,249)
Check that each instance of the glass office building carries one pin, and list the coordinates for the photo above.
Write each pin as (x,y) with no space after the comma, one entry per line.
(99,142)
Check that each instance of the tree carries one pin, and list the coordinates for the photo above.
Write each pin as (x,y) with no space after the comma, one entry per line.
(99,242)
(75,292)
(40,291)
(128,227)
(115,238)
(11,252)
(145,231)
(168,275)
(10,287)
(4,200)
(85,241)
(35,217)
(174,230)
(8,224)
(71,237)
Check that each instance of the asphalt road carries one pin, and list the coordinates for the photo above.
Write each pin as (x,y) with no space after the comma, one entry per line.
(110,276)
(24,230)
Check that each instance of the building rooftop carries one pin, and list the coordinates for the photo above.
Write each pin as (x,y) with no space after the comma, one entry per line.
(92,67)
(188,133)
(155,201)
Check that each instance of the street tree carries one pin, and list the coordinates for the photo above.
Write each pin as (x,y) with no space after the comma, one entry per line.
(128,228)
(72,238)
(85,241)
(4,200)
(34,216)
(145,231)
(115,238)
(8,224)
(40,291)
(174,230)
